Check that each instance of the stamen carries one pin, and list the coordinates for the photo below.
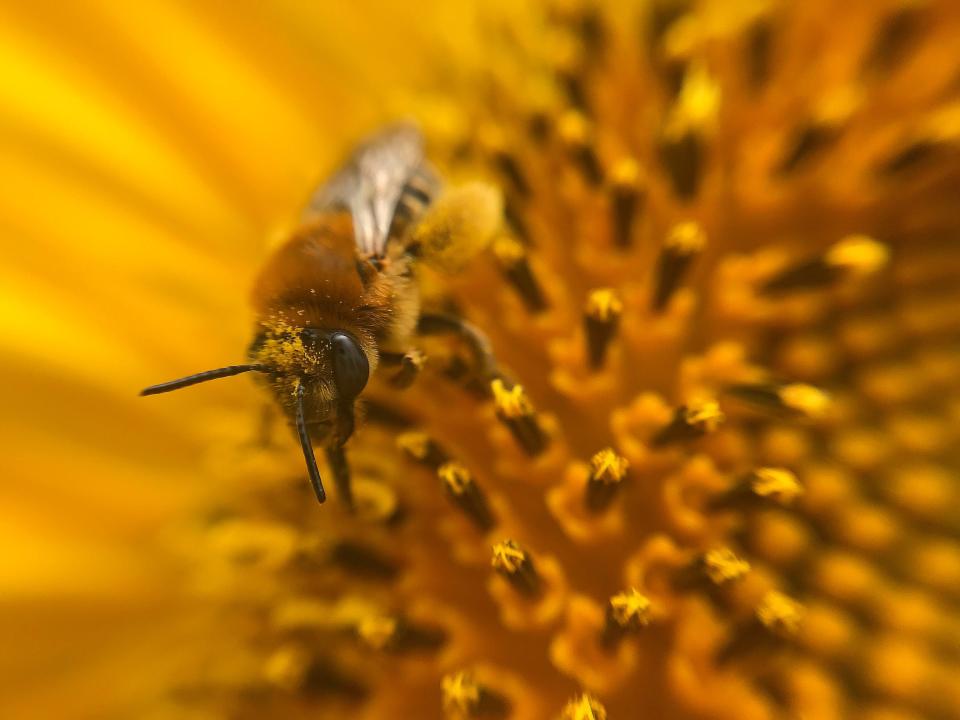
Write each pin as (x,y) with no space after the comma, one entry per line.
(411,364)
(692,117)
(575,133)
(793,398)
(854,256)
(514,410)
(601,318)
(718,567)
(466,494)
(780,614)
(396,634)
(465,698)
(627,613)
(627,196)
(690,422)
(607,471)
(766,484)
(421,447)
(584,707)
(512,258)
(515,564)
(682,245)
(777,620)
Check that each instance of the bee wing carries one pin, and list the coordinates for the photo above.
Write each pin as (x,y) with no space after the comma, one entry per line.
(371,184)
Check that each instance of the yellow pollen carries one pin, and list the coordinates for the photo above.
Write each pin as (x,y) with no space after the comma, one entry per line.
(723,566)
(574,128)
(697,107)
(603,304)
(508,556)
(686,238)
(286,667)
(626,173)
(608,467)
(630,608)
(780,614)
(512,403)
(377,630)
(805,399)
(415,443)
(461,695)
(455,476)
(705,415)
(584,707)
(776,484)
(508,250)
(858,254)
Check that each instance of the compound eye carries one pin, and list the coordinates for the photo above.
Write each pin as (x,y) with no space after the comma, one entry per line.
(350,367)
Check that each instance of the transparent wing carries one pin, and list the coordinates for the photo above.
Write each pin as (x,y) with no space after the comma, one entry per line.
(371,184)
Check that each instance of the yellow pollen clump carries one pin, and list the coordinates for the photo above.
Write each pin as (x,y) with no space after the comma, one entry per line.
(686,238)
(286,667)
(461,695)
(777,484)
(704,415)
(698,105)
(608,467)
(630,608)
(603,304)
(722,566)
(455,476)
(858,254)
(584,707)
(805,399)
(512,403)
(626,173)
(377,630)
(780,614)
(508,250)
(574,128)
(508,557)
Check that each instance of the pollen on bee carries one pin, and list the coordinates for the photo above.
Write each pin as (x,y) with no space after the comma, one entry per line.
(458,225)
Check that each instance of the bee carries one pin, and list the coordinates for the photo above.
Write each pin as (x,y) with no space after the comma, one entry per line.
(341,296)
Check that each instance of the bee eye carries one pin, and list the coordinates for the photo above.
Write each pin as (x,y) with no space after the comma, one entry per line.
(350,367)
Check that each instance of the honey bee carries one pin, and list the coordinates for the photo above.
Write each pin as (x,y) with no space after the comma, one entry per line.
(341,295)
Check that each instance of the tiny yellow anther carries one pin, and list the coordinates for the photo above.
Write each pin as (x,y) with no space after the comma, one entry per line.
(286,668)
(455,477)
(574,128)
(805,399)
(723,566)
(858,254)
(415,443)
(377,630)
(508,250)
(461,695)
(603,304)
(512,403)
(630,609)
(608,467)
(508,557)
(776,484)
(705,416)
(584,707)
(626,174)
(780,614)
(686,238)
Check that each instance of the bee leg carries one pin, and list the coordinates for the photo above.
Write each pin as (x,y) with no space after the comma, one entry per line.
(479,344)
(408,366)
(337,460)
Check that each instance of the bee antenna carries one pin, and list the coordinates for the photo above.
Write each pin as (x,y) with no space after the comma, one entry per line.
(202,377)
(307,448)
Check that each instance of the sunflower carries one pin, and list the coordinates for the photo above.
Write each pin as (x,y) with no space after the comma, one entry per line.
(722,480)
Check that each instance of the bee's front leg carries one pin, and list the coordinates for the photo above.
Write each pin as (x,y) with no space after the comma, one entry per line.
(442,323)
(408,366)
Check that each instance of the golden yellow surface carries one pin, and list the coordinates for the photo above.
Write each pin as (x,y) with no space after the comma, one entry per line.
(770,456)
